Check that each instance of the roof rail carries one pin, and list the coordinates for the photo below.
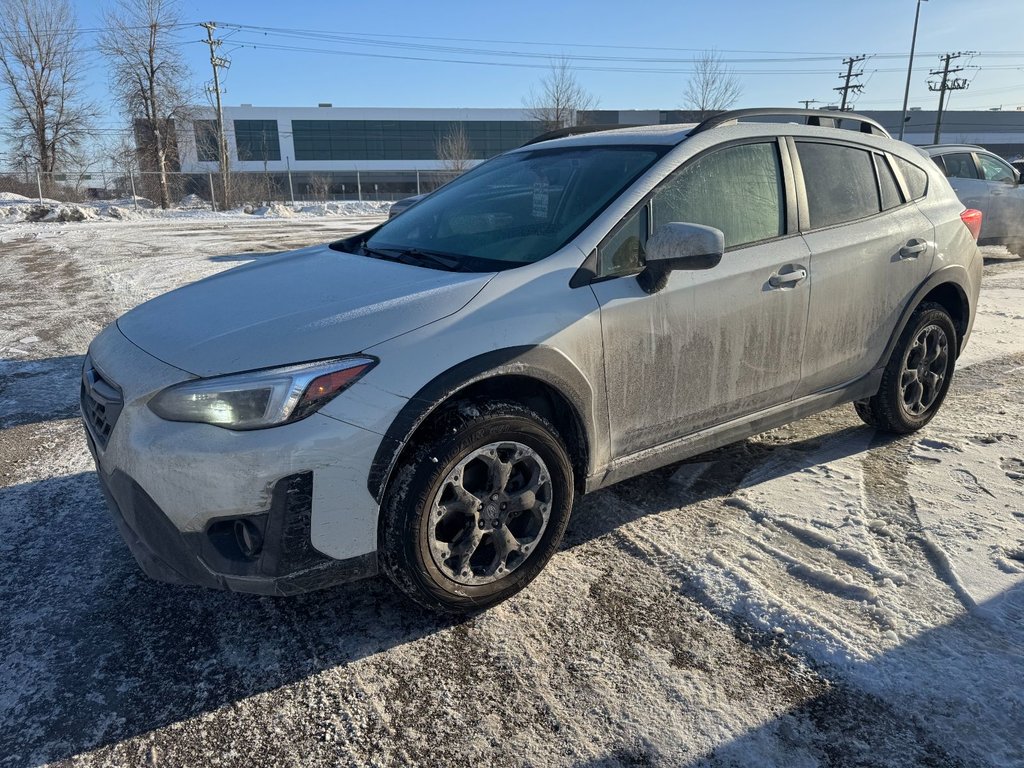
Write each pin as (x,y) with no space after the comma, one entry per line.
(950,144)
(822,117)
(575,130)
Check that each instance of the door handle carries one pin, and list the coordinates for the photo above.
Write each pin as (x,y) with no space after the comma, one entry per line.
(788,279)
(913,249)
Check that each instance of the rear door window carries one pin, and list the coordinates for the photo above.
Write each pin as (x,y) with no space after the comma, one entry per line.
(840,183)
(960,165)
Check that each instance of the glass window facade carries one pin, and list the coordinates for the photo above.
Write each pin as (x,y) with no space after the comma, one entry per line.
(206,140)
(257,140)
(403,139)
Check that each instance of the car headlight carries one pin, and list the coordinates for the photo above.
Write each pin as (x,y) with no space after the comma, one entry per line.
(260,399)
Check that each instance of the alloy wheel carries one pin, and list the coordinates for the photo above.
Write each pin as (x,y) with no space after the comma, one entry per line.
(490,512)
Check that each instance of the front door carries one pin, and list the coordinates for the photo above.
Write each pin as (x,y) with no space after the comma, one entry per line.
(715,344)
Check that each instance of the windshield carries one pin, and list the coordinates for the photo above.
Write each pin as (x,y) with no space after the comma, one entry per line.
(514,210)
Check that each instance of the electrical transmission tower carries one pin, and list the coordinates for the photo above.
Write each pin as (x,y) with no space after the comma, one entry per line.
(218,63)
(947,84)
(848,86)
(807,102)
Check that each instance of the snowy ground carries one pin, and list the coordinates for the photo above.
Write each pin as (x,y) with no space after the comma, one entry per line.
(817,595)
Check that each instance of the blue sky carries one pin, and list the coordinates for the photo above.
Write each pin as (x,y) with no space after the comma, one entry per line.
(831,29)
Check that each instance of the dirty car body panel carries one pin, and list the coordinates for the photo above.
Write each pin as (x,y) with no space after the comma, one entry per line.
(793,316)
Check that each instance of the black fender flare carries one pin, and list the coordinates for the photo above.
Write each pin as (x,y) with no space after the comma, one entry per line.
(544,364)
(952,274)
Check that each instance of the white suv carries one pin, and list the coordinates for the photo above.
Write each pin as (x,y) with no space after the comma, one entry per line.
(428,398)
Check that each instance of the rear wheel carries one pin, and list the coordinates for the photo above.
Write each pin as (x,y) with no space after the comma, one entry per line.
(477,510)
(917,375)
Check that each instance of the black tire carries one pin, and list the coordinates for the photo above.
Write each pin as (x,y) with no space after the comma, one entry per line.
(905,402)
(1016,247)
(425,475)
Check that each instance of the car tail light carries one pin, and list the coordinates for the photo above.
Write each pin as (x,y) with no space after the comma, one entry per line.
(972,218)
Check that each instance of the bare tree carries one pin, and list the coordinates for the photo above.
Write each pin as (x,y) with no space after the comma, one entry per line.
(40,66)
(559,98)
(149,77)
(454,151)
(713,86)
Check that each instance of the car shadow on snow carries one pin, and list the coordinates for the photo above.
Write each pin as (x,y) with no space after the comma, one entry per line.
(96,652)
(33,391)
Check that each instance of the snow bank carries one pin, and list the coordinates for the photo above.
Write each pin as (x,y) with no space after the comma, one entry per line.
(274,210)
(17,208)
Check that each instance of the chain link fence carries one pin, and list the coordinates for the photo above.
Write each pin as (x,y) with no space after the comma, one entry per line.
(194,190)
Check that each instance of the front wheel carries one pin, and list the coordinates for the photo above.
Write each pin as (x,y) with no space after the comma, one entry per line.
(478,508)
(917,376)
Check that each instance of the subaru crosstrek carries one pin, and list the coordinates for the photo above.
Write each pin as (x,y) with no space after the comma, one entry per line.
(428,398)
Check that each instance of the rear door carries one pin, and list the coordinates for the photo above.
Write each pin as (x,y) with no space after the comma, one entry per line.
(870,248)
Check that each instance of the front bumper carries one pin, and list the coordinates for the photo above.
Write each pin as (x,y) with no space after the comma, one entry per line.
(286,563)
(178,491)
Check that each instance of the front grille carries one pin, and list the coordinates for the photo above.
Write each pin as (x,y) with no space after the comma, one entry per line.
(101,403)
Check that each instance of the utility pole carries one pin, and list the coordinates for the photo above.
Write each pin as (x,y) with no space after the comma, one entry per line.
(846,87)
(946,84)
(807,102)
(218,63)
(910,70)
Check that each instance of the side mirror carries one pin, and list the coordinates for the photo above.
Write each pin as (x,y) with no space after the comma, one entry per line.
(677,245)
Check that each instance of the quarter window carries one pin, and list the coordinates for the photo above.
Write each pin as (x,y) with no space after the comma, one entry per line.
(624,251)
(737,190)
(917,179)
(995,170)
(840,183)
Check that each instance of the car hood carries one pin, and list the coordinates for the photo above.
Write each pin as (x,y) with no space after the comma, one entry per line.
(304,305)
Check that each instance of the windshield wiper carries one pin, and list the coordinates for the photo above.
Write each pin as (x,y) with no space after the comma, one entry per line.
(415,257)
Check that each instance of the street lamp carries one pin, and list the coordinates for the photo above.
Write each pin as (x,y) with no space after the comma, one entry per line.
(910,69)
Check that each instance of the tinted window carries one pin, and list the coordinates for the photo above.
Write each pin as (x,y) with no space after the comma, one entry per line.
(206,141)
(257,140)
(737,190)
(917,179)
(404,139)
(624,251)
(995,170)
(840,183)
(891,197)
(960,165)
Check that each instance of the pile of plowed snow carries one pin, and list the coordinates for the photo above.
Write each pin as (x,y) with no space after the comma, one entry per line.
(16,208)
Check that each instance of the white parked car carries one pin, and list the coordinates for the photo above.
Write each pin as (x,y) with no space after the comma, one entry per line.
(984,181)
(430,397)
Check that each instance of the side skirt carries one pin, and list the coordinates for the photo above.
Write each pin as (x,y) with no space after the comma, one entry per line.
(708,439)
